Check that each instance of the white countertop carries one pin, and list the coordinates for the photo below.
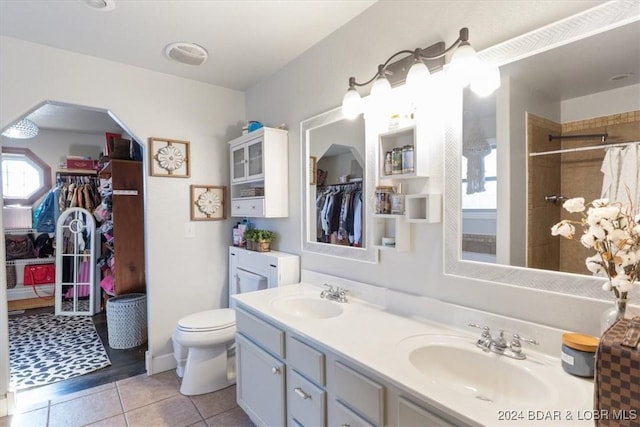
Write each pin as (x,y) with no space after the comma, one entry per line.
(381,341)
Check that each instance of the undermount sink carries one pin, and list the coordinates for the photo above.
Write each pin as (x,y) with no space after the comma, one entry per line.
(456,363)
(307,307)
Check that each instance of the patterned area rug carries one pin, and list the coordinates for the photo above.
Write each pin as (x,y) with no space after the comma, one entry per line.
(44,349)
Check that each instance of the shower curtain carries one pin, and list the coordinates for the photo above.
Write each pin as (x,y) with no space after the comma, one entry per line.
(621,175)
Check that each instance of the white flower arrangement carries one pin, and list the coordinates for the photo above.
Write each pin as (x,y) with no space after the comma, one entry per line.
(613,231)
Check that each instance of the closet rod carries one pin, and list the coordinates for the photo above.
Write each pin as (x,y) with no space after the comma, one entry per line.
(602,136)
(593,147)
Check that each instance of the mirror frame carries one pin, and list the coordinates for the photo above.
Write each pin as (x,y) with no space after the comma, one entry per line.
(368,253)
(593,21)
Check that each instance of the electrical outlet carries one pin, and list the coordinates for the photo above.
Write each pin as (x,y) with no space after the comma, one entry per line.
(189,230)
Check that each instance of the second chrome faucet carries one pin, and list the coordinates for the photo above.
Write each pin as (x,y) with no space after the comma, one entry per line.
(499,344)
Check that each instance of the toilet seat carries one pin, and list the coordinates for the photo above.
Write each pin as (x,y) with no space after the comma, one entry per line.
(208,320)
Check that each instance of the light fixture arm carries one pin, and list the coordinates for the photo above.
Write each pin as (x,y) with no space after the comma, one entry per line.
(417,54)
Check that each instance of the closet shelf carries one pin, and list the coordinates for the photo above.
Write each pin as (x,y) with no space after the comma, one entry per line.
(30,261)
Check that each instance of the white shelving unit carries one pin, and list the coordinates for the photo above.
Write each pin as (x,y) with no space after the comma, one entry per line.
(418,208)
(259,179)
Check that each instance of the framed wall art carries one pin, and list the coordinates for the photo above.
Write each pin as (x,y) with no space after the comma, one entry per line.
(208,202)
(169,158)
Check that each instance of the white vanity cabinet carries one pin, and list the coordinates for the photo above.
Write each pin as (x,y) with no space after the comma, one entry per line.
(260,379)
(259,174)
(285,379)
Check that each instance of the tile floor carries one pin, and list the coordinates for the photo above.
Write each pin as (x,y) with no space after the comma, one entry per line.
(137,401)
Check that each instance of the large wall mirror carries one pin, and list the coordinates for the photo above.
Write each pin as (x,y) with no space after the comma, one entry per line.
(339,174)
(580,76)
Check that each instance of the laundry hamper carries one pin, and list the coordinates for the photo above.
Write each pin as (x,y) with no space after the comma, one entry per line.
(127,320)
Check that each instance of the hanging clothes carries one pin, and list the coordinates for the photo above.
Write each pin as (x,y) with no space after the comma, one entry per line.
(339,214)
(621,175)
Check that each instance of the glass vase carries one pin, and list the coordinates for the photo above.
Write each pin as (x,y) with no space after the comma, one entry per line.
(613,314)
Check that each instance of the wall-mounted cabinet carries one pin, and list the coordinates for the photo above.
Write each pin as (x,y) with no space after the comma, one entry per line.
(259,174)
(401,156)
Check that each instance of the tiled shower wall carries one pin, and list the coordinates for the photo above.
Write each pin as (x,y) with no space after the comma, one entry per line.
(578,175)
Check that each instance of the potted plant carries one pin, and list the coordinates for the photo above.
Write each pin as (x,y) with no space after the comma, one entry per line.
(259,240)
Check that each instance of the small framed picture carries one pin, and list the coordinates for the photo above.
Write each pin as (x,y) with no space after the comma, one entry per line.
(169,158)
(208,202)
(313,165)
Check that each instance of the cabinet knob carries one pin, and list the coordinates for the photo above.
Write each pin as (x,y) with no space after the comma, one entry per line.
(345,425)
(275,371)
(300,392)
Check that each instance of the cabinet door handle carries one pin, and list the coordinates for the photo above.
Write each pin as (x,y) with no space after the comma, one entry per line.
(275,371)
(345,425)
(301,393)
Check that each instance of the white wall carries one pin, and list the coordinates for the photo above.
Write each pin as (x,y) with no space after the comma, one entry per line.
(184,275)
(601,104)
(316,82)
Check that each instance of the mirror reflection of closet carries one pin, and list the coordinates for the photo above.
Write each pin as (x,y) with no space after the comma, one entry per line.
(339,197)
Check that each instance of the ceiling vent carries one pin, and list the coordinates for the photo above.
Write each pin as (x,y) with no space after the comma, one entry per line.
(186,53)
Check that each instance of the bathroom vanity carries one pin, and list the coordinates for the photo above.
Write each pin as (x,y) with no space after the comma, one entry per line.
(307,361)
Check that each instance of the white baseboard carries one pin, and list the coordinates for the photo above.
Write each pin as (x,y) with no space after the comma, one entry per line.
(155,365)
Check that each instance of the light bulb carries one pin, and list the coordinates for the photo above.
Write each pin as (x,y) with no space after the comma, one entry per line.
(463,65)
(351,104)
(418,76)
(486,80)
(381,88)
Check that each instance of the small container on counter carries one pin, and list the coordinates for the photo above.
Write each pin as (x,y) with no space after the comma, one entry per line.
(578,354)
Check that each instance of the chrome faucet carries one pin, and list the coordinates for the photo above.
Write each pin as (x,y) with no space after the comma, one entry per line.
(338,294)
(499,344)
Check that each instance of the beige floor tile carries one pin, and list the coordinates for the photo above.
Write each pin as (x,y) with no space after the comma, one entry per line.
(199,424)
(81,393)
(37,418)
(143,390)
(211,404)
(177,411)
(86,409)
(117,421)
(27,405)
(233,418)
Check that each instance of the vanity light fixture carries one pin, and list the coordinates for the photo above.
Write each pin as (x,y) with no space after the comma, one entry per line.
(416,67)
(22,129)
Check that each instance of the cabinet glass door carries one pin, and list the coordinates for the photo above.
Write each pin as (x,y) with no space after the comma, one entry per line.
(238,163)
(255,160)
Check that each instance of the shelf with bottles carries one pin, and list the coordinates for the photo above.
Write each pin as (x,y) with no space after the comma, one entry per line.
(400,154)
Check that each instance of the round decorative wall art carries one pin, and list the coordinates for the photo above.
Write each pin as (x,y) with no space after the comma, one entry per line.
(170,157)
(208,202)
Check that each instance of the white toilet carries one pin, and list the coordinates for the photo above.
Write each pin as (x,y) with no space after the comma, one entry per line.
(203,343)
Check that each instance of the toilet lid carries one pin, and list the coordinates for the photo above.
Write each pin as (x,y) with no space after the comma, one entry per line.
(209,320)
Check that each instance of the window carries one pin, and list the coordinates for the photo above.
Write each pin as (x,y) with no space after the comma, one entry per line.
(25,177)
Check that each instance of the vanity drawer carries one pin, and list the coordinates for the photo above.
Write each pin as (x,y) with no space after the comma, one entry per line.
(263,333)
(360,393)
(247,207)
(341,415)
(306,402)
(306,359)
(410,414)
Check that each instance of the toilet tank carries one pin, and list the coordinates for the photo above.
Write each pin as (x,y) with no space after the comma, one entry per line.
(278,268)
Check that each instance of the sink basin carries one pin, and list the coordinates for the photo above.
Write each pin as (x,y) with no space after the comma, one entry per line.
(307,307)
(457,364)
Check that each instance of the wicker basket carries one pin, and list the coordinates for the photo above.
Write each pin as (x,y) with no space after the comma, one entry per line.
(127,321)
(259,246)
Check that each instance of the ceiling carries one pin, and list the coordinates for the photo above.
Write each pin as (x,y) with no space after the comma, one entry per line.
(247,40)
